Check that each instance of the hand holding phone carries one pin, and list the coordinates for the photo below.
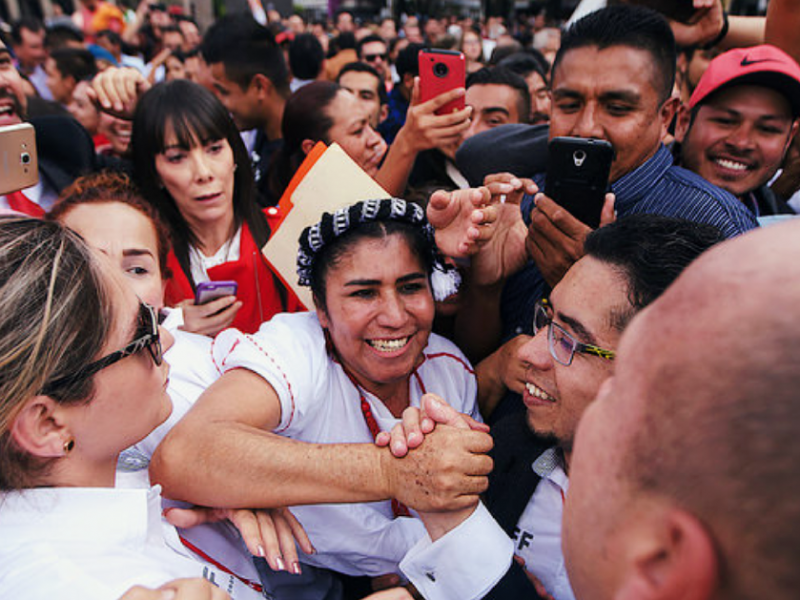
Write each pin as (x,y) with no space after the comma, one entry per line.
(441,71)
(211,290)
(577,176)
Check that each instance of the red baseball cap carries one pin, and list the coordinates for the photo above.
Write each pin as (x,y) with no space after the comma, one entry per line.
(764,65)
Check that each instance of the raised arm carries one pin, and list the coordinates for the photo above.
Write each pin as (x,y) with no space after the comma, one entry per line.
(423,130)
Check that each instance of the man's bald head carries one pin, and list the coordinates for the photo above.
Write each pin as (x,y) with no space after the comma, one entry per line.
(709,387)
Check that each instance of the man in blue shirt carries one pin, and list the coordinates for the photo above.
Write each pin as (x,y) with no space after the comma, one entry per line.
(612,80)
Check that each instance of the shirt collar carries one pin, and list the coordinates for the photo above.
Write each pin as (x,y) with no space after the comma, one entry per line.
(630,188)
(548,461)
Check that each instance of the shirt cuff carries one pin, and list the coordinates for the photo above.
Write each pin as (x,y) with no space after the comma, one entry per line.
(465,563)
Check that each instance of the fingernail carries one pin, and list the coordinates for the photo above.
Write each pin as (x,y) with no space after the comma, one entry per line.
(412,436)
(261,552)
(435,402)
(280,563)
(168,594)
(296,568)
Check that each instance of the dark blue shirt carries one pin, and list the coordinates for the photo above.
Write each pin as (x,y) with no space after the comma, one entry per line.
(396,118)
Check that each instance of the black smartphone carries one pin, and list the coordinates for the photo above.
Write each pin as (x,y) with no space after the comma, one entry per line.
(577,176)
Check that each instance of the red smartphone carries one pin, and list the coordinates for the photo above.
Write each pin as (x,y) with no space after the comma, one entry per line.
(211,290)
(441,71)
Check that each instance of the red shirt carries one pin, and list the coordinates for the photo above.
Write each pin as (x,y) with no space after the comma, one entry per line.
(260,289)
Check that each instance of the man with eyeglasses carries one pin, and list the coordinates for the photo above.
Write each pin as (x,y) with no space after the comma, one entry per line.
(559,370)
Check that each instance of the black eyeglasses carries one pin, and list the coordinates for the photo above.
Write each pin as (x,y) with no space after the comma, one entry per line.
(561,344)
(374,57)
(147,336)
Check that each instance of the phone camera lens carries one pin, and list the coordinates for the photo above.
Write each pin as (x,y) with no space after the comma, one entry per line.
(25,158)
(440,69)
(578,157)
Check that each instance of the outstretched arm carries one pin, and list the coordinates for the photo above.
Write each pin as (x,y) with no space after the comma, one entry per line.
(223,454)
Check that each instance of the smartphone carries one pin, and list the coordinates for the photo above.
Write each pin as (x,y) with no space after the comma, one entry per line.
(211,290)
(19,167)
(577,176)
(441,71)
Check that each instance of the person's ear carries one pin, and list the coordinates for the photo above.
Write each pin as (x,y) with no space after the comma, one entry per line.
(383,113)
(790,139)
(39,429)
(262,85)
(307,146)
(683,123)
(667,112)
(672,557)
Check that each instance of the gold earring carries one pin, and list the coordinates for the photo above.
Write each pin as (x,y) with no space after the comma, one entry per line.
(68,446)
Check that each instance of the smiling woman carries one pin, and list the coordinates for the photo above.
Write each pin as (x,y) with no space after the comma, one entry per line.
(323,111)
(346,372)
(191,163)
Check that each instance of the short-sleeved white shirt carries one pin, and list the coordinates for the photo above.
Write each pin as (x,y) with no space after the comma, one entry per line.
(319,403)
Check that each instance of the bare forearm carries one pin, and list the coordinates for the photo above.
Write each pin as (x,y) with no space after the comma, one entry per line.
(490,383)
(783,21)
(478,324)
(393,174)
(229,465)
(743,31)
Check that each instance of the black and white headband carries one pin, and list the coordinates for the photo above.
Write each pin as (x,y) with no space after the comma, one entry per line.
(444,279)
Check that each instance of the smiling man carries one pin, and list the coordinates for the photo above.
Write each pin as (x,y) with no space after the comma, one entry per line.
(612,80)
(498,96)
(627,265)
(740,122)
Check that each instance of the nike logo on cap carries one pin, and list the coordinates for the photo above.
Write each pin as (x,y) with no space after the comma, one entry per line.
(747,62)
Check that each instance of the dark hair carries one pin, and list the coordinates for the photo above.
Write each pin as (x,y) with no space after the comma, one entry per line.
(368,40)
(306,56)
(110,186)
(58,36)
(507,77)
(361,67)
(196,116)
(55,318)
(407,60)
(526,62)
(329,256)
(246,49)
(625,25)
(74,62)
(29,23)
(503,51)
(304,118)
(171,29)
(112,36)
(650,251)
(343,41)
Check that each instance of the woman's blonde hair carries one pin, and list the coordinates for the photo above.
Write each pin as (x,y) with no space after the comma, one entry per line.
(54,319)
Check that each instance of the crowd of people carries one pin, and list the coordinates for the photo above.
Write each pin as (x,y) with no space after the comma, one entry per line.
(485,397)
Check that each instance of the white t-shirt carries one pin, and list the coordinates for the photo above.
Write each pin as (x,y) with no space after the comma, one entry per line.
(320,404)
(93,544)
